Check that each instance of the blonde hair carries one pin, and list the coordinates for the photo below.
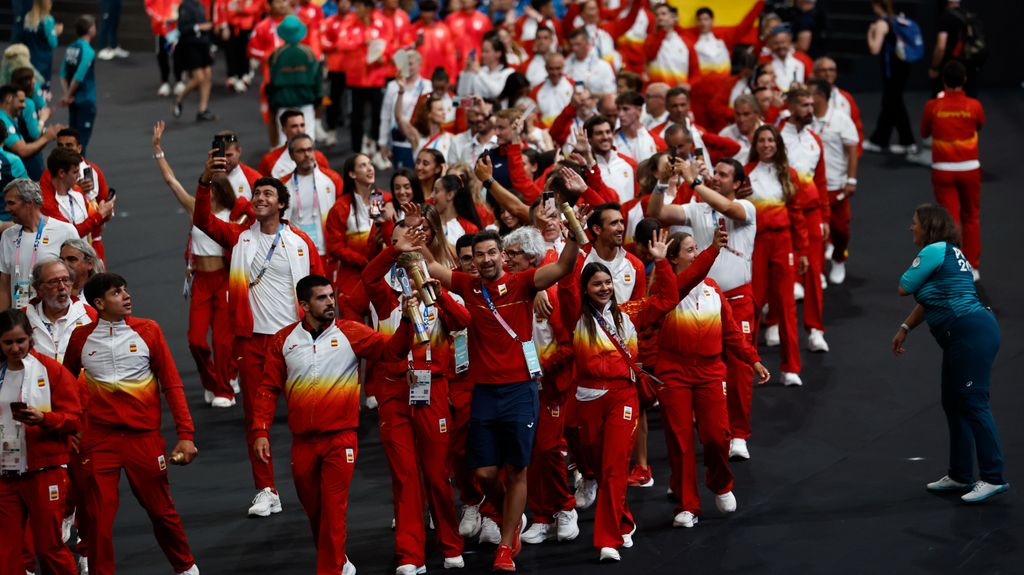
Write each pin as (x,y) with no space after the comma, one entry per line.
(40,10)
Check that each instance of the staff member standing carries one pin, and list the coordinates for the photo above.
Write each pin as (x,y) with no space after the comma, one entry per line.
(940,281)
(952,121)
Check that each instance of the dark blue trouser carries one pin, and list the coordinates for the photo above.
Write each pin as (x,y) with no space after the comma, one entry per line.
(81,117)
(968,349)
(110,12)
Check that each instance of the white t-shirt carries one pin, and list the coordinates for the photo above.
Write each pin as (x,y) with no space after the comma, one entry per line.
(596,74)
(836,131)
(12,431)
(72,207)
(273,298)
(52,235)
(453,230)
(732,268)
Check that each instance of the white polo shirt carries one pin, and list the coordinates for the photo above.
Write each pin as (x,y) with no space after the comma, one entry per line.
(20,250)
(836,131)
(732,269)
(596,74)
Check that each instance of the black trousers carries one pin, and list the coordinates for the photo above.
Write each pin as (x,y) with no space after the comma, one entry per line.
(363,98)
(894,113)
(333,116)
(235,53)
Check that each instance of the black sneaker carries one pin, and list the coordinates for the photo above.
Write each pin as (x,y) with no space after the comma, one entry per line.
(205,116)
(176,109)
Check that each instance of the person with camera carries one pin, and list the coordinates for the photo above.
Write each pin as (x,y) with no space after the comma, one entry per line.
(940,281)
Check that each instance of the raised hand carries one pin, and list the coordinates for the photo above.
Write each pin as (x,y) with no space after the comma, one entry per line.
(158,132)
(573,182)
(721,238)
(483,169)
(659,244)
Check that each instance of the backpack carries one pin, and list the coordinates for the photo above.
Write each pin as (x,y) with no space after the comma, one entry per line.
(972,49)
(909,42)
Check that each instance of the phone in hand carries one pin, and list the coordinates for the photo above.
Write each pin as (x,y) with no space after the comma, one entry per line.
(548,198)
(721,223)
(87,173)
(376,205)
(111,193)
(219,148)
(18,406)
(472,54)
(699,153)
(530,108)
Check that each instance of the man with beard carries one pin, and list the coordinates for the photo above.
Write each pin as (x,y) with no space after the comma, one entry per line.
(313,191)
(277,162)
(55,313)
(315,364)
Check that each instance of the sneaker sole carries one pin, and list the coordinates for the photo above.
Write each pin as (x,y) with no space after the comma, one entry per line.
(272,511)
(648,483)
(574,535)
(738,457)
(938,489)
(683,525)
(1002,489)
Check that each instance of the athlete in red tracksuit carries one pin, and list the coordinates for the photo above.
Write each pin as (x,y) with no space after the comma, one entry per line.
(607,408)
(315,364)
(693,338)
(953,121)
(34,483)
(781,239)
(266,258)
(126,364)
(416,437)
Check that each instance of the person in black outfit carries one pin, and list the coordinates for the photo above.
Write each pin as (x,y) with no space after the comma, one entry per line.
(882,41)
(949,46)
(193,50)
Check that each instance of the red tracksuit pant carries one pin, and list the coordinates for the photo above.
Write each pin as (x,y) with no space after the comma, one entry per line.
(208,311)
(740,374)
(415,440)
(547,476)
(684,397)
(460,394)
(143,457)
(39,495)
(607,430)
(251,353)
(774,271)
(960,194)
(839,226)
(78,500)
(814,301)
(322,468)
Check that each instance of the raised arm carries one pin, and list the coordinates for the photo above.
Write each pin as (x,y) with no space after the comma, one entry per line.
(507,200)
(721,204)
(183,197)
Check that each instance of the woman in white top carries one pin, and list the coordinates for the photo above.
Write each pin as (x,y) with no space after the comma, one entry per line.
(425,130)
(400,98)
(486,78)
(206,281)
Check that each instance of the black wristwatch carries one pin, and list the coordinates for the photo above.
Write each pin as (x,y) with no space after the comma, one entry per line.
(487,183)
(698,181)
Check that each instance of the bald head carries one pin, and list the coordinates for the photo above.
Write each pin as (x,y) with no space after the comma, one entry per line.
(554,64)
(825,69)
(656,94)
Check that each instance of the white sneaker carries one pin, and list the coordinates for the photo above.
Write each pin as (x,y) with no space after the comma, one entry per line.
(790,379)
(489,532)
(627,538)
(837,274)
(410,569)
(824,284)
(816,341)
(234,386)
(193,570)
(348,568)
(65,527)
(975,274)
(456,562)
(771,336)
(586,494)
(609,554)
(223,402)
(829,250)
(83,566)
(982,490)
(568,525)
(265,503)
(179,88)
(105,54)
(469,526)
(738,449)
(371,402)
(120,52)
(164,90)
(684,519)
(798,291)
(537,533)
(870,146)
(208,397)
(901,149)
(947,484)
(726,502)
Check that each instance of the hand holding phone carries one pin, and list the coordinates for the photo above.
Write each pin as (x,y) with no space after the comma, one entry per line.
(219,148)
(18,406)
(721,223)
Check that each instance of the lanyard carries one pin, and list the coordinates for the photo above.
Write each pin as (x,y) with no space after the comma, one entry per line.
(432,142)
(632,151)
(298,196)
(266,263)
(497,315)
(35,247)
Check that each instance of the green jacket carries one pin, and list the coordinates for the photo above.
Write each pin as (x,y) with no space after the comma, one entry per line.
(295,78)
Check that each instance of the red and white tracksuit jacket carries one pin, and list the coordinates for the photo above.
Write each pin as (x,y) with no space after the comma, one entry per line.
(607,408)
(278,163)
(319,378)
(100,192)
(242,180)
(670,57)
(51,339)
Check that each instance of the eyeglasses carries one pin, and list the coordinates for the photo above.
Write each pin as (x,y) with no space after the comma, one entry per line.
(58,281)
(514,253)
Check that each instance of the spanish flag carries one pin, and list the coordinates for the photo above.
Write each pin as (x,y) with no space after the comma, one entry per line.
(735,20)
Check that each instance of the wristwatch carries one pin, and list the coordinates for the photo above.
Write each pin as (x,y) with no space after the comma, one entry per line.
(698,181)
(487,183)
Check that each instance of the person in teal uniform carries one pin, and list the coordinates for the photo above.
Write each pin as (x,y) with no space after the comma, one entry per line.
(78,77)
(941,282)
(40,35)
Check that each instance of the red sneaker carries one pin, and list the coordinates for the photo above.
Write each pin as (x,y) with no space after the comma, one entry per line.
(503,560)
(640,477)
(517,543)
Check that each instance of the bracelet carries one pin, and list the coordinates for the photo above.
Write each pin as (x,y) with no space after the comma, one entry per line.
(205,184)
(159,155)
(851,181)
(487,183)
(905,327)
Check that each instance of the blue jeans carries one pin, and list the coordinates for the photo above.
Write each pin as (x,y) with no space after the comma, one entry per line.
(110,11)
(81,117)
(969,347)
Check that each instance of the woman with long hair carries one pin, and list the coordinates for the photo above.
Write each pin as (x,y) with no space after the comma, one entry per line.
(40,35)
(350,231)
(604,344)
(206,282)
(893,114)
(486,78)
(430,165)
(434,231)
(455,205)
(426,129)
(692,340)
(942,284)
(780,247)
(405,188)
(40,412)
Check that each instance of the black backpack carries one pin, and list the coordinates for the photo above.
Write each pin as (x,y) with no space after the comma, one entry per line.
(973,49)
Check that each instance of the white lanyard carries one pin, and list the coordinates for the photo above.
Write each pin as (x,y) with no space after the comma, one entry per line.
(35,247)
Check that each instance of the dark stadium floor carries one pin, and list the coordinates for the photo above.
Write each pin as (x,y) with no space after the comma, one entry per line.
(836,484)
